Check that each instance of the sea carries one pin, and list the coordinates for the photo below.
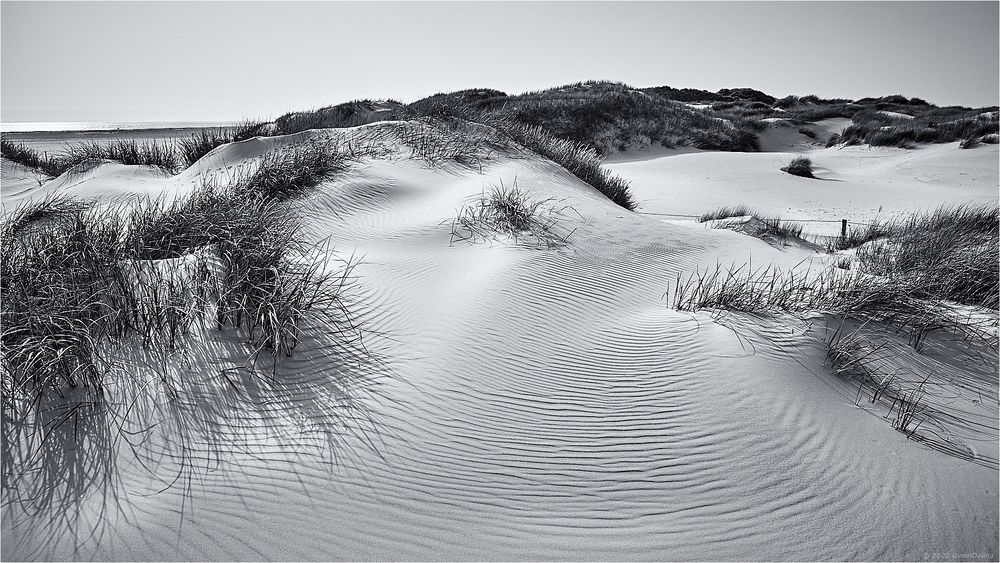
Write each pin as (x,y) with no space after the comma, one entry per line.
(56,126)
(54,137)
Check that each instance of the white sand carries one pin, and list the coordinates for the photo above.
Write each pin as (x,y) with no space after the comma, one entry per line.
(856,183)
(784,136)
(550,405)
(896,114)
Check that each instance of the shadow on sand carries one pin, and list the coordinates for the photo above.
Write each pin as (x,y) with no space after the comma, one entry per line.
(175,417)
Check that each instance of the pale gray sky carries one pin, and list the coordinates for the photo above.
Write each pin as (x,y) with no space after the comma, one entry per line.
(160,61)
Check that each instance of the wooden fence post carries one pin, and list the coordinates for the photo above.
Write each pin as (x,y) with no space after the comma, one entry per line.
(843,228)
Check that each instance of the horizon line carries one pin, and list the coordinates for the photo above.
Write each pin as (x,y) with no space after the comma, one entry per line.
(116,125)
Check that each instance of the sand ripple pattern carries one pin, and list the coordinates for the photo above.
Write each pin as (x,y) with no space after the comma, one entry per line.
(548,405)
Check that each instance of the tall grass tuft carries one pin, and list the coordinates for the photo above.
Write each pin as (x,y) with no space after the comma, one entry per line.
(799,166)
(509,211)
(26,156)
(726,212)
(265,283)
(349,114)
(912,280)
(930,125)
(782,230)
(970,143)
(858,235)
(767,228)
(53,207)
(448,138)
(204,141)
(79,284)
(950,253)
(580,160)
(901,304)
(286,172)
(147,153)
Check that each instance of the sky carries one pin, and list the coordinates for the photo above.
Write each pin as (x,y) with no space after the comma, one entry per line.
(218,61)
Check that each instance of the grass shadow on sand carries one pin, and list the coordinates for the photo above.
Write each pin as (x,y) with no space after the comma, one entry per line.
(160,335)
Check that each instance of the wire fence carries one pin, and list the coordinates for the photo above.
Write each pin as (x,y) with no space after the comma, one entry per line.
(696,217)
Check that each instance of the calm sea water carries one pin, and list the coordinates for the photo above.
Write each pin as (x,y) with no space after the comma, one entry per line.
(59,126)
(53,138)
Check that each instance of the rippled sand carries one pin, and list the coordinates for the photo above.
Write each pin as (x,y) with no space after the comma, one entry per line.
(537,404)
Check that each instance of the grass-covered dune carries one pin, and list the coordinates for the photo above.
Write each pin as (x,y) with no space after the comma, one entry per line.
(610,117)
(606,116)
(614,117)
(577,124)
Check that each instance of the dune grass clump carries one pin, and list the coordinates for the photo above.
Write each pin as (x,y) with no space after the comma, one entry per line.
(349,114)
(931,125)
(162,155)
(761,290)
(126,151)
(62,292)
(908,406)
(447,138)
(204,141)
(510,211)
(52,207)
(85,288)
(917,281)
(950,253)
(799,166)
(726,212)
(807,132)
(80,279)
(860,234)
(783,230)
(288,172)
(19,153)
(26,156)
(970,143)
(580,160)
(759,226)
(901,304)
(264,284)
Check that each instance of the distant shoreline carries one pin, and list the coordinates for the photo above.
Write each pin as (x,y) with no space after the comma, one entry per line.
(104,126)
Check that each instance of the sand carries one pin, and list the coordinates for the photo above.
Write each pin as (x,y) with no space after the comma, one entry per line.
(857,183)
(549,404)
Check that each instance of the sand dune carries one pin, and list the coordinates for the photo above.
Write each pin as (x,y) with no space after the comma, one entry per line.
(858,183)
(548,404)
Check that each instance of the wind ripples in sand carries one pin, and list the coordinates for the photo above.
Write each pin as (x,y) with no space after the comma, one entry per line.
(548,405)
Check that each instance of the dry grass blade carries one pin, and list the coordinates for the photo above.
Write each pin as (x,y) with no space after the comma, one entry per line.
(509,211)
